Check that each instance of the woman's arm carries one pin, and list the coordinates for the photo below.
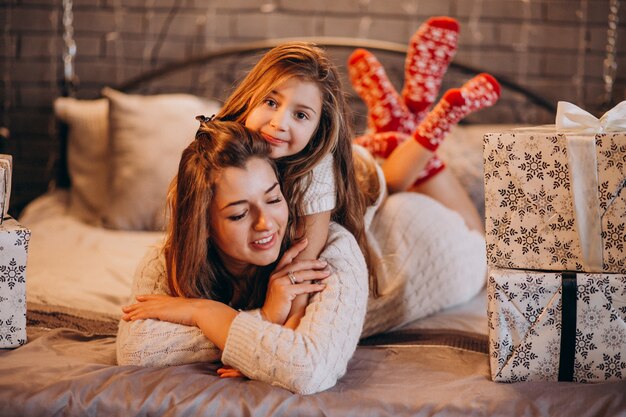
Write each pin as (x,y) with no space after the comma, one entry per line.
(313,357)
(163,330)
(306,360)
(211,317)
(154,342)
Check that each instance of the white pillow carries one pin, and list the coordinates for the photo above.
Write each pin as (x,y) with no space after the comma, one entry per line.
(148,135)
(87,155)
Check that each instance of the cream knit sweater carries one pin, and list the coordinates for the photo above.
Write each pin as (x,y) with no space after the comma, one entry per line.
(428,260)
(321,193)
(306,360)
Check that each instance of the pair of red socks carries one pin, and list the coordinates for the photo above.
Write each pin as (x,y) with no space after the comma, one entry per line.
(393,117)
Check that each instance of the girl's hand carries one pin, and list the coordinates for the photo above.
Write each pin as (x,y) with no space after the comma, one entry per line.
(227,371)
(163,307)
(281,291)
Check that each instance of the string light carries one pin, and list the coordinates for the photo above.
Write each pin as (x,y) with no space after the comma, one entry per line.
(579,78)
(6,75)
(610,63)
(69,53)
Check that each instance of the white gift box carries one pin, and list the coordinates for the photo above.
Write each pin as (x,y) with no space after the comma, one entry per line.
(14,239)
(553,326)
(555,196)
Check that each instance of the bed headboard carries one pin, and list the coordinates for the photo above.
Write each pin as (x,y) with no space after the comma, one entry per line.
(214,75)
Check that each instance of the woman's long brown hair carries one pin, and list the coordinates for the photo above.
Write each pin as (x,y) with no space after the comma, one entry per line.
(193,265)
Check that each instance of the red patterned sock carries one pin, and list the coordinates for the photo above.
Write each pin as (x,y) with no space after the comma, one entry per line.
(481,91)
(431,49)
(386,110)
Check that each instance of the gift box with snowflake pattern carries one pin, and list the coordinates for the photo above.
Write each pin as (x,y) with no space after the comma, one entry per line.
(14,240)
(543,327)
(550,207)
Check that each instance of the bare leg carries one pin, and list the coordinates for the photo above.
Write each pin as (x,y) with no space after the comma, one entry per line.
(446,189)
(404,165)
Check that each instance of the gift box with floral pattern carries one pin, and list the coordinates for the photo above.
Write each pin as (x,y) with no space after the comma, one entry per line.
(14,239)
(554,326)
(555,196)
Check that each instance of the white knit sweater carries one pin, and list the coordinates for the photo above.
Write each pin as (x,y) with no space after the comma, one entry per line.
(321,193)
(429,260)
(306,360)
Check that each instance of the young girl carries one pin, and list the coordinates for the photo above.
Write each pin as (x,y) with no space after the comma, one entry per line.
(294,97)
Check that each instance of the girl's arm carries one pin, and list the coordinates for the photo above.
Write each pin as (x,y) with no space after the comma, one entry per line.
(316,235)
(319,201)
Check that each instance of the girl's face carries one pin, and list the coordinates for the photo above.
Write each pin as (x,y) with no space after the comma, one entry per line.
(288,116)
(248,216)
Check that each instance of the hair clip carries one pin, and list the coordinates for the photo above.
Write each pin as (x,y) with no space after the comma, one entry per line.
(203,119)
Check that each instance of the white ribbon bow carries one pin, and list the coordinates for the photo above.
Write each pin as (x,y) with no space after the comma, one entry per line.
(570,117)
(580,128)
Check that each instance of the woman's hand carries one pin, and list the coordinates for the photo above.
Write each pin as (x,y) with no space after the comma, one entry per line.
(179,310)
(291,278)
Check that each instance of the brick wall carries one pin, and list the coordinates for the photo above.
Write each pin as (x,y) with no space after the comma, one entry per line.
(555,47)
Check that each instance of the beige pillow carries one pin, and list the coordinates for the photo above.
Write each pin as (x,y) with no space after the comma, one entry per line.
(148,135)
(87,154)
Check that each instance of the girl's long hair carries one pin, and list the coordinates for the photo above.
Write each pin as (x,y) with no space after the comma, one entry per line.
(193,265)
(307,62)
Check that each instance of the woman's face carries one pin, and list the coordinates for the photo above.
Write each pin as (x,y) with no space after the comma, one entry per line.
(248,216)
(288,116)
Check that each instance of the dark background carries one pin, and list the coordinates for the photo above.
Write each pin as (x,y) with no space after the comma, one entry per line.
(555,48)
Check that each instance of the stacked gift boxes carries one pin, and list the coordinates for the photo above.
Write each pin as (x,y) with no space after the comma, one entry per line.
(556,240)
(14,239)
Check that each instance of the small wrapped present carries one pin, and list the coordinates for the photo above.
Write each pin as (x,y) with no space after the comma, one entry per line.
(555,196)
(14,239)
(556,326)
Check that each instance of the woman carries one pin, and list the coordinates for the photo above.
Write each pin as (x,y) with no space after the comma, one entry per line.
(421,271)
(228,220)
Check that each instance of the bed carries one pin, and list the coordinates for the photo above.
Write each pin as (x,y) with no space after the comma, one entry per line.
(103,212)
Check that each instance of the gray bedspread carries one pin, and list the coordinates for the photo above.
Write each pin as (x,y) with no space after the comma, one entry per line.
(68,368)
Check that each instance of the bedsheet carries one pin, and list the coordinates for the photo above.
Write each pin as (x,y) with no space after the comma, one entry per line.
(66,370)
